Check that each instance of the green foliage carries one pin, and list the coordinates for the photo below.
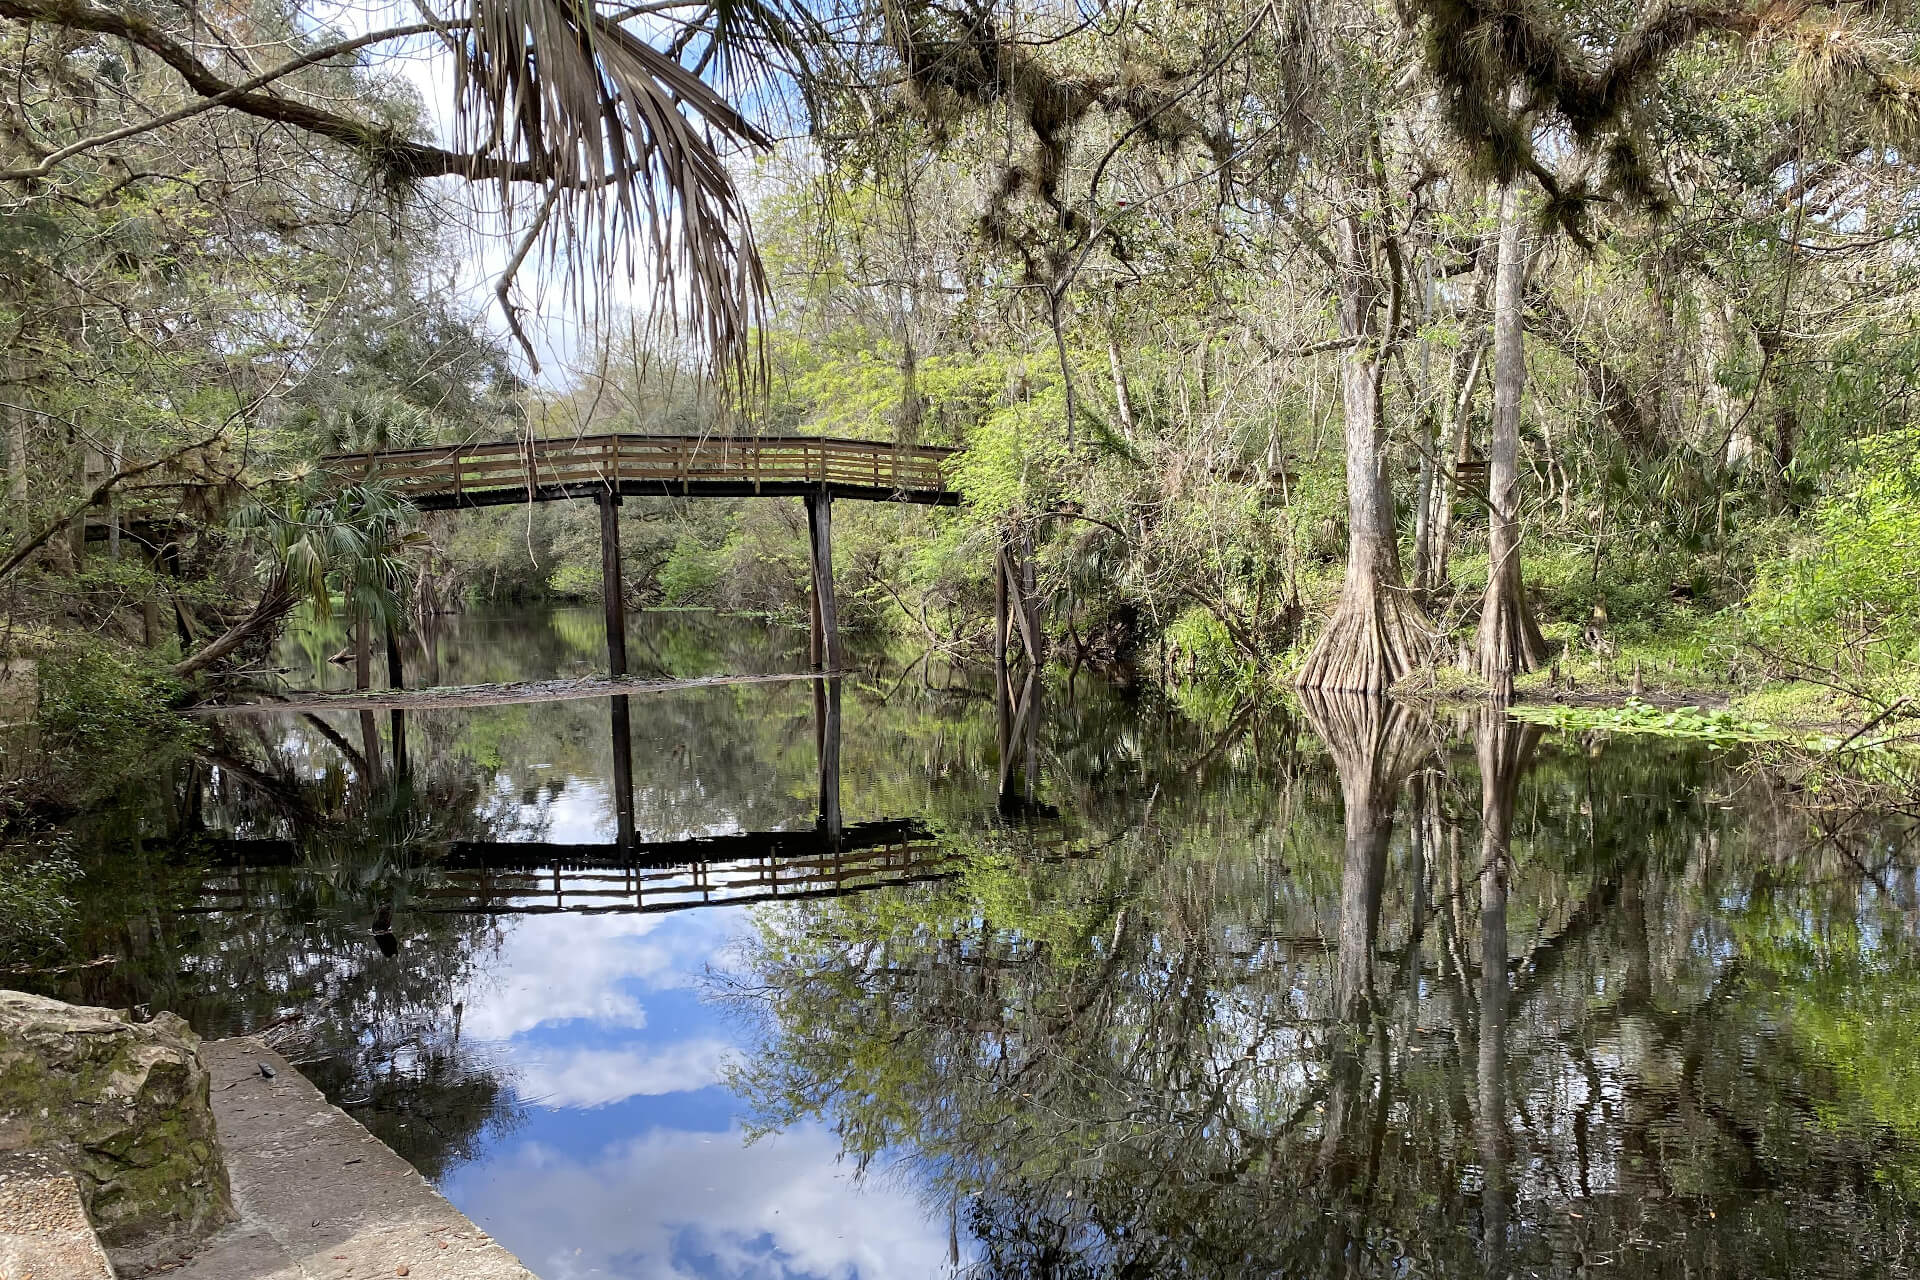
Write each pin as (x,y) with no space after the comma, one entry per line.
(690,573)
(320,541)
(1014,458)
(105,717)
(573,581)
(1849,593)
(1206,648)
(98,700)
(36,903)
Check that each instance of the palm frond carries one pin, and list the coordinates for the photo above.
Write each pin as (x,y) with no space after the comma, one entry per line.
(632,145)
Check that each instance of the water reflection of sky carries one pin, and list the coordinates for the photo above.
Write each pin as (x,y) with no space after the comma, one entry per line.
(630,1160)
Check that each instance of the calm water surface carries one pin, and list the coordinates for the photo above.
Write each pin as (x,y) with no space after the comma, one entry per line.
(1203,992)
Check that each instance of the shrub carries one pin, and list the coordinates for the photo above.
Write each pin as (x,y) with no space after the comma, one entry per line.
(35,903)
(1848,596)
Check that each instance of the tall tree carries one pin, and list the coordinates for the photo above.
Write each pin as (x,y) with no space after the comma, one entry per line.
(1509,640)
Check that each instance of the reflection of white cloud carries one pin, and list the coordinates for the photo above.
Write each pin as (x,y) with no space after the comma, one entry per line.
(652,1206)
(596,1077)
(588,968)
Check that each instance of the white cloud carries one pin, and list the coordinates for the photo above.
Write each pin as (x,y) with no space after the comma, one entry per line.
(562,968)
(634,1209)
(597,1077)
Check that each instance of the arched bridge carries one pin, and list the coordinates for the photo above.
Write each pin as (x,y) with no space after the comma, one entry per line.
(444,477)
(607,468)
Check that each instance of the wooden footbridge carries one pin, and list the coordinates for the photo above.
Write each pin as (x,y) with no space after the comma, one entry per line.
(608,468)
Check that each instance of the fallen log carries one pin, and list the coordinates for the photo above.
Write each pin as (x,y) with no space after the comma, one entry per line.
(489,695)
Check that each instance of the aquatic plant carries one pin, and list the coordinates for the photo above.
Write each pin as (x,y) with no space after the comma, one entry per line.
(1637,717)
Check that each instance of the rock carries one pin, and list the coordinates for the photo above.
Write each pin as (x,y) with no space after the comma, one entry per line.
(123,1106)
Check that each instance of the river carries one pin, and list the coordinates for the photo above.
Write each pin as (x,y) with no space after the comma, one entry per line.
(1197,990)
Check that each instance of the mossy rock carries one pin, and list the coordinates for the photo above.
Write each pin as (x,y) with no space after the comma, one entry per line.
(124,1106)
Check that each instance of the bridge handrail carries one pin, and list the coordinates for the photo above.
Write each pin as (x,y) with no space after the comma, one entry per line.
(560,461)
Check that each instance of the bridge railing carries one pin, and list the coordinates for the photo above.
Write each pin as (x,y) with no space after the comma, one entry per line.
(453,471)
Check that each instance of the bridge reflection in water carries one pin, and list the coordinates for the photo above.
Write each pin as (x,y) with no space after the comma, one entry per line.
(635,879)
(638,877)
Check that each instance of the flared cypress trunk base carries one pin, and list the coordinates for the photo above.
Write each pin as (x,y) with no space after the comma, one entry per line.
(1508,642)
(1377,634)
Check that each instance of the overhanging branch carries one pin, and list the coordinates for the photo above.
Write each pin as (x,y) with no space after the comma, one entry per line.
(392,154)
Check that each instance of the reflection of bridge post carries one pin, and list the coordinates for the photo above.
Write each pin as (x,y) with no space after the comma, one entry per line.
(1018,719)
(363,682)
(825,649)
(826,719)
(396,718)
(612,593)
(622,769)
(613,597)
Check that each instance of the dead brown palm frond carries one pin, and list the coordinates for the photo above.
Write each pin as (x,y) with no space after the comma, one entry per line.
(632,145)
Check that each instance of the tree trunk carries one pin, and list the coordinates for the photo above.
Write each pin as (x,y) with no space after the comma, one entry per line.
(1509,640)
(1455,445)
(1122,397)
(275,603)
(1378,632)
(1432,432)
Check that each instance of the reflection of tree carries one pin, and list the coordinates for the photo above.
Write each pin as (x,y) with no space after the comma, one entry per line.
(1208,1048)
(376,1031)
(1505,747)
(1262,1023)
(1374,747)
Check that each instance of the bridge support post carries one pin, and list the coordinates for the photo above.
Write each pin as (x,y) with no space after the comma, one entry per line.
(826,610)
(611,591)
(1000,612)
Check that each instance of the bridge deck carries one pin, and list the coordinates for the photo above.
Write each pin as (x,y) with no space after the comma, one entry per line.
(443,477)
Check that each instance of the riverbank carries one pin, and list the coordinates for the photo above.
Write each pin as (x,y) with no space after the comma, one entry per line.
(319,1196)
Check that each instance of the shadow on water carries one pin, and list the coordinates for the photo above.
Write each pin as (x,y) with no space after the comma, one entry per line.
(1115,991)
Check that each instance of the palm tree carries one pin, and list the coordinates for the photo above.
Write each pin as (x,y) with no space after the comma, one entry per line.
(630,139)
(311,540)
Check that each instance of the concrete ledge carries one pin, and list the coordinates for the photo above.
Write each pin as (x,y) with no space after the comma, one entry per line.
(319,1197)
(44,1232)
